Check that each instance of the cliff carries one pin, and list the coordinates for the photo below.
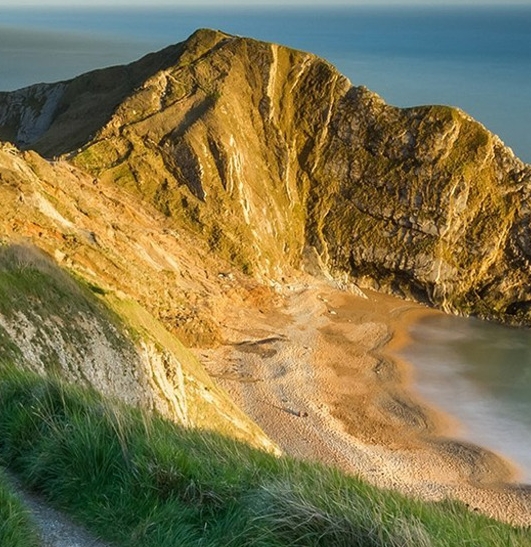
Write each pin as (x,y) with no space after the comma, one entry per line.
(275,160)
(93,288)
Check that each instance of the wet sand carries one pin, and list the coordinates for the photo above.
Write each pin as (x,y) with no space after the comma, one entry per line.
(320,375)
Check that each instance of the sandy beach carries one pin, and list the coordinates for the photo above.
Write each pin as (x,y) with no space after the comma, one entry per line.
(318,372)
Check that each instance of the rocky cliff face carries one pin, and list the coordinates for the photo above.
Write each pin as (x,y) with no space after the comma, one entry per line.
(97,289)
(273,160)
(56,118)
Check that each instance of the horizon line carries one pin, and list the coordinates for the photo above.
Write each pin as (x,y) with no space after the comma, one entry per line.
(102,4)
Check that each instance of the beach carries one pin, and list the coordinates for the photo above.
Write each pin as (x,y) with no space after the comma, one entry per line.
(317,369)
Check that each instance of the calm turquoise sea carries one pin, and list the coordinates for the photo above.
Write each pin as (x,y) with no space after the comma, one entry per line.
(478,59)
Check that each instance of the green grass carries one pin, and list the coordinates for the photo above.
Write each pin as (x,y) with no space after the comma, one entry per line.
(16,528)
(136,479)
(30,281)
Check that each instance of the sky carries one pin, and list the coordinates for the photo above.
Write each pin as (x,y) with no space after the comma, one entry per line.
(251,3)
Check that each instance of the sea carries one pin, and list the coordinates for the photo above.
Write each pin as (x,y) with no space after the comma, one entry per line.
(475,58)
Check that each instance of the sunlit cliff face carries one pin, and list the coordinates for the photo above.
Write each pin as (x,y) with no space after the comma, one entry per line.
(271,159)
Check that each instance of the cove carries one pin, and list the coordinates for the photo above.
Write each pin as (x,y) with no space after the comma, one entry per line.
(479,373)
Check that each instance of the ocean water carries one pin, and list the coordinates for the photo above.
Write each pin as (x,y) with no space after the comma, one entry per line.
(480,373)
(478,59)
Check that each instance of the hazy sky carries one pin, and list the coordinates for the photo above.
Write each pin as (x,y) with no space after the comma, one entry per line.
(249,3)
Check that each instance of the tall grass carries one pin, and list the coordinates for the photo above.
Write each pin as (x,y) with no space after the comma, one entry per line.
(16,528)
(136,479)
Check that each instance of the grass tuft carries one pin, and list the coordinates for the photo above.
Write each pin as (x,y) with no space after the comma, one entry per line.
(16,527)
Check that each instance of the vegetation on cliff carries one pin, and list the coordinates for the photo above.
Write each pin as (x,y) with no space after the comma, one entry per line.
(55,324)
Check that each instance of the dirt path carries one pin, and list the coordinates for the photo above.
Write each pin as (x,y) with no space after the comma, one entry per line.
(315,377)
(55,528)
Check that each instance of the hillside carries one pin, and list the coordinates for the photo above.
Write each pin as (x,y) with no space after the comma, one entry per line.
(85,277)
(186,234)
(274,159)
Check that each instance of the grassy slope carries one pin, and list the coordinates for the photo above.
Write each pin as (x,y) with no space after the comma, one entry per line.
(139,480)
(33,286)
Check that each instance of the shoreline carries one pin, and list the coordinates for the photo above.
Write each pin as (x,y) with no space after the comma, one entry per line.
(394,373)
(447,424)
(399,339)
(410,352)
(321,377)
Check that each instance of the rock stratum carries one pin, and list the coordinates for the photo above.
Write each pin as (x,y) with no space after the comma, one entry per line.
(276,161)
